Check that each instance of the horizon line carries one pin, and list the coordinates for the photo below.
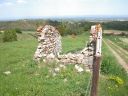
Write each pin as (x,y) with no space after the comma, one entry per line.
(65,17)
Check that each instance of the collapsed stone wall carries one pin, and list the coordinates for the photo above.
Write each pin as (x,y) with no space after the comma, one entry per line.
(49,48)
(84,56)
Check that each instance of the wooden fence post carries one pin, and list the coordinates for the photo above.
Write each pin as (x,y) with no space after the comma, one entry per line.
(97,41)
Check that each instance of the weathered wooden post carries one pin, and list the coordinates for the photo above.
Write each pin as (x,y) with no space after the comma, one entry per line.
(96,32)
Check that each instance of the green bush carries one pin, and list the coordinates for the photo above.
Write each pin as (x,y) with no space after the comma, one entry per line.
(9,35)
(18,30)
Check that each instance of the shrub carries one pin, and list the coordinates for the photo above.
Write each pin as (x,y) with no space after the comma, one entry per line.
(9,35)
(18,30)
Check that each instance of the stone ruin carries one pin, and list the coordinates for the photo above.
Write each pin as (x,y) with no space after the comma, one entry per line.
(49,40)
(49,49)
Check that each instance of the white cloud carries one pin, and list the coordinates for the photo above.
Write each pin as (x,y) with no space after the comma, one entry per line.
(21,1)
(8,3)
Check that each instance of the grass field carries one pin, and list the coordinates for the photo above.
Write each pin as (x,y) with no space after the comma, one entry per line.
(120,41)
(110,68)
(27,79)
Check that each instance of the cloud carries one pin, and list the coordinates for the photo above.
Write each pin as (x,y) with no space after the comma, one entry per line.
(10,3)
(7,4)
(21,1)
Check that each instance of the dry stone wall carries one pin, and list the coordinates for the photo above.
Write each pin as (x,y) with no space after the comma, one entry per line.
(49,48)
(49,41)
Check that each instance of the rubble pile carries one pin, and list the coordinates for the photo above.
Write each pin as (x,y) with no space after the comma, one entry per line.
(81,57)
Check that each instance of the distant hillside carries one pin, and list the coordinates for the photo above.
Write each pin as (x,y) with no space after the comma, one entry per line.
(31,25)
(21,24)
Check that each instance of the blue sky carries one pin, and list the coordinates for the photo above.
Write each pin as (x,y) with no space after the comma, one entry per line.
(12,9)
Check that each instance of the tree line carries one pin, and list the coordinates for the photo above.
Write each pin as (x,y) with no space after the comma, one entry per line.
(64,26)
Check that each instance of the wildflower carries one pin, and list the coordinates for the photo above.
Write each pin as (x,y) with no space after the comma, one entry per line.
(117,79)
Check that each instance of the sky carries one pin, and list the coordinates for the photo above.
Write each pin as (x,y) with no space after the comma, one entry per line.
(14,9)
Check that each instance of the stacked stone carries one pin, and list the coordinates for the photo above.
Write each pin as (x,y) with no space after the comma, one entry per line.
(49,41)
(83,57)
(49,48)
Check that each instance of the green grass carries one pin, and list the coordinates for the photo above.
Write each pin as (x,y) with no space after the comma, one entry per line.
(122,53)
(27,79)
(118,41)
(110,67)
(72,44)
(109,63)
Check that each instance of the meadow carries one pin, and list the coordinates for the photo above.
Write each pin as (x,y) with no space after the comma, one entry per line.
(28,79)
